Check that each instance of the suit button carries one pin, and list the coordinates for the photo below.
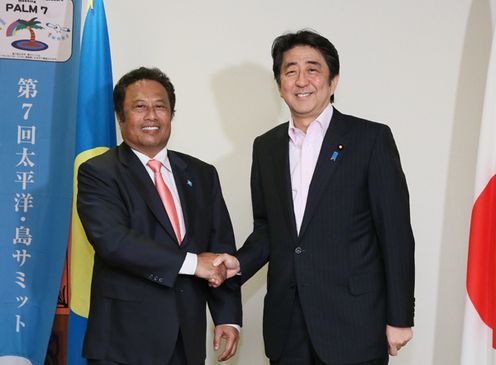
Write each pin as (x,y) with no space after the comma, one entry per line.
(298,250)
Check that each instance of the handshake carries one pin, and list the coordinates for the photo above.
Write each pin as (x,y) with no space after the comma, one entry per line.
(215,268)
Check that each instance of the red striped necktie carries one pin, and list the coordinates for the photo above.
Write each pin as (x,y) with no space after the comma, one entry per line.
(166,196)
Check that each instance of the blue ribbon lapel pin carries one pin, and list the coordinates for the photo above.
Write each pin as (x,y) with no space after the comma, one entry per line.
(335,154)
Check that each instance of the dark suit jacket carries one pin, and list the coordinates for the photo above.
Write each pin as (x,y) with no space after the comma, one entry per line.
(353,261)
(138,301)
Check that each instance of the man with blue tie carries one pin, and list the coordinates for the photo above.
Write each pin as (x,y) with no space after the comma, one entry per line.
(331,217)
(152,215)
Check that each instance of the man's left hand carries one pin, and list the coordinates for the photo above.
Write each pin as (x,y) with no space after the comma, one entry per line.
(231,337)
(397,338)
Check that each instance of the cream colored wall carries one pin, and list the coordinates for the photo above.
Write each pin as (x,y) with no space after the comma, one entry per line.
(419,66)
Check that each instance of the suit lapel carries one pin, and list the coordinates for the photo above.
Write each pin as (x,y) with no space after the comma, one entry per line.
(282,175)
(145,187)
(183,184)
(330,157)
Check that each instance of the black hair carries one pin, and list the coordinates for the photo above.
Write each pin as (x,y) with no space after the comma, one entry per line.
(304,37)
(142,73)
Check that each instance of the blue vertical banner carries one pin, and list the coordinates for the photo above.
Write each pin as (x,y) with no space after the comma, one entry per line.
(39,59)
(95,134)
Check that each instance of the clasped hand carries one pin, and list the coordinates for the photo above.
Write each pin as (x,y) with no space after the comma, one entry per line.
(216,268)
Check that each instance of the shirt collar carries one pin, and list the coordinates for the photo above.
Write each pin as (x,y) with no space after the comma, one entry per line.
(323,121)
(162,156)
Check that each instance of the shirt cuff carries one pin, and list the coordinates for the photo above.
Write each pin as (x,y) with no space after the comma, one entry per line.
(189,264)
(237,326)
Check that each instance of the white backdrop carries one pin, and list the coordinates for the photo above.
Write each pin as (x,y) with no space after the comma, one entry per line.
(419,66)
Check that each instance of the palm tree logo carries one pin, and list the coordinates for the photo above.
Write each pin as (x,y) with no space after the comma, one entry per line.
(30,44)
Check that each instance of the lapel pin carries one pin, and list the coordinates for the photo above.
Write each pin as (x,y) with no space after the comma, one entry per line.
(335,154)
(189,183)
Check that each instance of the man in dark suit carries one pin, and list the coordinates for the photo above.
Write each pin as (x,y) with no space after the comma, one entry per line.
(148,295)
(331,216)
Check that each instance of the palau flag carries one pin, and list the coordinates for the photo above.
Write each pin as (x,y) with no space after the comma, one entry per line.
(39,58)
(95,133)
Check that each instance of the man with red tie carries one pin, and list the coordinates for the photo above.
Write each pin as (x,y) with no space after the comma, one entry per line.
(152,215)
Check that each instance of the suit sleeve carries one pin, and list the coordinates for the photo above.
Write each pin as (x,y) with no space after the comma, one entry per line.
(224,302)
(255,253)
(391,214)
(105,217)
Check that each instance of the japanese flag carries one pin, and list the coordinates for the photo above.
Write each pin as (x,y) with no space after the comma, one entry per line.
(479,336)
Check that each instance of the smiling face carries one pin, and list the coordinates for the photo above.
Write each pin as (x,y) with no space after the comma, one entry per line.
(305,85)
(147,117)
